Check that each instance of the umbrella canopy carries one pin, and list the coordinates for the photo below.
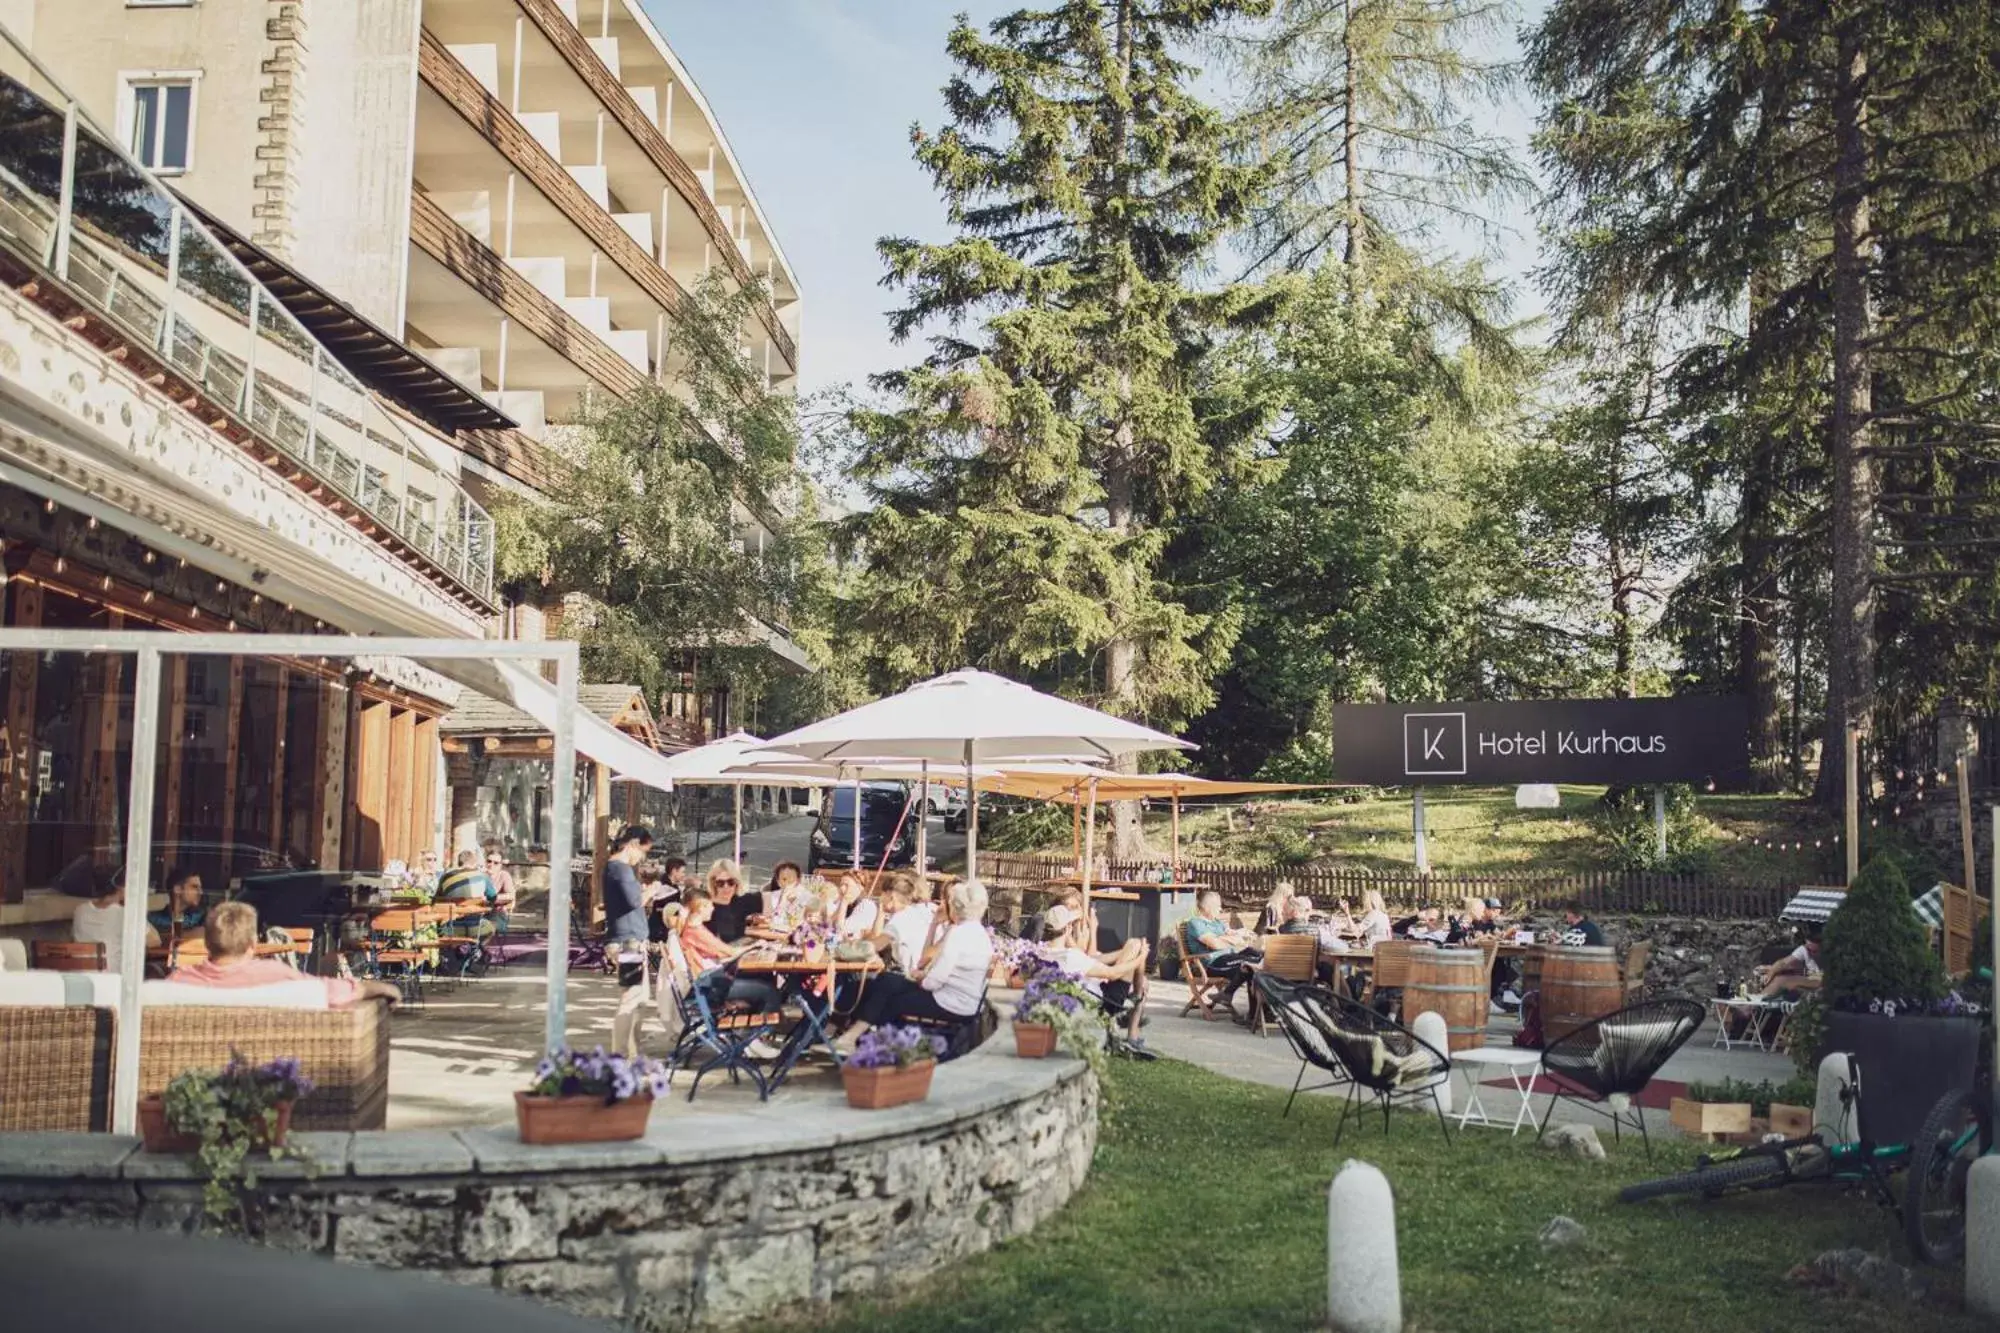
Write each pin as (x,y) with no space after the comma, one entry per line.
(735,760)
(974,717)
(1810,905)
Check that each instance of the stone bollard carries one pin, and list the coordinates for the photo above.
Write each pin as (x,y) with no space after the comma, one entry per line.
(1982,1238)
(1364,1290)
(1431,1027)
(1834,1120)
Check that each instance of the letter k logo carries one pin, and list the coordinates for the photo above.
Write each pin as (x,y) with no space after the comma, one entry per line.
(1434,743)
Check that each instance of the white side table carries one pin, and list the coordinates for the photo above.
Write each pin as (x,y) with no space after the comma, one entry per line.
(1521,1066)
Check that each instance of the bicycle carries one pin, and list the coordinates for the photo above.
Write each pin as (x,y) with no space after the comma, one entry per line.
(1958,1130)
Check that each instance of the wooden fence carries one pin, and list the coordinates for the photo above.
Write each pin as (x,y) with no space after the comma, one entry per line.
(1606,891)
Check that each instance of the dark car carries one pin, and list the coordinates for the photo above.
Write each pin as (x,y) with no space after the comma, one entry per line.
(887,836)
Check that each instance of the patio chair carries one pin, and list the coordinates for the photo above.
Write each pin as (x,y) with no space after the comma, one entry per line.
(1200,983)
(1385,1061)
(1390,974)
(1283,1000)
(1606,1063)
(723,1035)
(1634,970)
(962,1035)
(386,961)
(1293,958)
(65,956)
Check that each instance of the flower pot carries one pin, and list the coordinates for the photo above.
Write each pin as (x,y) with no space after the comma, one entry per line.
(873,1089)
(156,1135)
(580,1119)
(1170,968)
(1907,1063)
(1034,1041)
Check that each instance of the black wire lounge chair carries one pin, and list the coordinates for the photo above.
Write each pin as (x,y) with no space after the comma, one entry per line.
(1605,1064)
(1385,1061)
(1284,1001)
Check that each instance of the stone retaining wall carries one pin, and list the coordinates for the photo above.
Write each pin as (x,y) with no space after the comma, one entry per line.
(710,1220)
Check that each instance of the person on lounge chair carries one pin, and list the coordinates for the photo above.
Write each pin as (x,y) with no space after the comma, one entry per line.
(1116,978)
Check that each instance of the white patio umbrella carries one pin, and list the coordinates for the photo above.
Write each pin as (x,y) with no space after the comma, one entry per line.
(735,761)
(972,718)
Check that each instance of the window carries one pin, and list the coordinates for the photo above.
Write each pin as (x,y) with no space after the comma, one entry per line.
(160,122)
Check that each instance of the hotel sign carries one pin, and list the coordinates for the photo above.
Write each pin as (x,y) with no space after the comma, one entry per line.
(1700,739)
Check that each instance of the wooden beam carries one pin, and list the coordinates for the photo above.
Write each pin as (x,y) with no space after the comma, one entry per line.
(176,667)
(22,677)
(231,743)
(368,847)
(280,725)
(424,780)
(600,842)
(402,737)
(330,763)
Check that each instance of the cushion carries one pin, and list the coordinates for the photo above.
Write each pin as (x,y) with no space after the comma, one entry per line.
(42,987)
(13,955)
(1623,1047)
(306,993)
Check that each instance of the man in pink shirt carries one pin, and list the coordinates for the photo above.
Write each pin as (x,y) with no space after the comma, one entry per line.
(231,934)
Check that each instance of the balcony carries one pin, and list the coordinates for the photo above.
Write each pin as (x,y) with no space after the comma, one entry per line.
(79,214)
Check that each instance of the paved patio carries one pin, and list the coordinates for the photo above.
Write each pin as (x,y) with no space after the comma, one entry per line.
(460,1058)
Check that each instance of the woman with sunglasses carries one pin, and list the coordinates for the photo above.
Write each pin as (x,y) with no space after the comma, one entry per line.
(735,910)
(502,897)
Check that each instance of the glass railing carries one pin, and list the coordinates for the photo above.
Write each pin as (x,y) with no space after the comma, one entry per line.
(81,211)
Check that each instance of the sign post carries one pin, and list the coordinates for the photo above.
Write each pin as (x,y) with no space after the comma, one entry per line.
(1660,822)
(1417,827)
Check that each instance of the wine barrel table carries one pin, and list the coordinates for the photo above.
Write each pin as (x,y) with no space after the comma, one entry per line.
(1452,984)
(1578,984)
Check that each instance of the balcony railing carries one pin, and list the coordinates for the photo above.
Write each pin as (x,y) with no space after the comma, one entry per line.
(79,210)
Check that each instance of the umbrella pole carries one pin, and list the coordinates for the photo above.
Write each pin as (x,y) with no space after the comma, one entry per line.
(924,819)
(857,822)
(1174,861)
(736,844)
(971,818)
(1089,847)
(1076,829)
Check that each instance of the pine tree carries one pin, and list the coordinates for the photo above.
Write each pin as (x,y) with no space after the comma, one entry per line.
(1027,473)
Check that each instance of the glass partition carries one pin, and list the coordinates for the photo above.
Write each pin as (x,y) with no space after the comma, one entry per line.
(128,248)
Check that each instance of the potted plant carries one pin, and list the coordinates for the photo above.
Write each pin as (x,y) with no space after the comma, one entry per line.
(223,1117)
(890,1066)
(1055,1007)
(1886,1001)
(1168,956)
(594,1098)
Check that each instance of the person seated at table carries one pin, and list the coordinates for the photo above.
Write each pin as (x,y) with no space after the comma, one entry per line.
(101,920)
(951,987)
(735,911)
(1792,975)
(427,870)
(502,879)
(1374,925)
(1222,952)
(1117,977)
(1579,931)
(466,881)
(1478,918)
(856,915)
(791,900)
(1272,919)
(891,898)
(708,957)
(185,911)
(231,936)
(916,927)
(665,895)
(1427,925)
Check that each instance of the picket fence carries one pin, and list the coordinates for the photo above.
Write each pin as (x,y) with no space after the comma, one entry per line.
(1604,891)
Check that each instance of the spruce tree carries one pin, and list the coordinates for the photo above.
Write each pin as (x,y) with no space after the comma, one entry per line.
(1028,472)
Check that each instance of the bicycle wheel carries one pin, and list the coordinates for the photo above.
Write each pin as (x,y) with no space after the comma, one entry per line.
(1957,1132)
(1738,1173)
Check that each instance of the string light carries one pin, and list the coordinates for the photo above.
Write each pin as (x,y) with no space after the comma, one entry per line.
(61,564)
(48,506)
(91,523)
(147,596)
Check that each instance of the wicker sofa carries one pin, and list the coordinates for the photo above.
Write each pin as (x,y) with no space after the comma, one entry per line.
(56,1059)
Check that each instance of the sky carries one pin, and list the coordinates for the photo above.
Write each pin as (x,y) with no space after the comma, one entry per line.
(817,98)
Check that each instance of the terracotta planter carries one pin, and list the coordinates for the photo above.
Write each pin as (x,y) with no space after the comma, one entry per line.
(1034,1041)
(580,1119)
(156,1135)
(873,1089)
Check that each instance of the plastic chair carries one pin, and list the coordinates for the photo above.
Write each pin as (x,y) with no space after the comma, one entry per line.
(1604,1064)
(1382,1058)
(1283,1000)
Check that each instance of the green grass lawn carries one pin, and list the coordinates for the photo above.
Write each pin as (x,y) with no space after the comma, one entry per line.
(1205,1210)
(1477,831)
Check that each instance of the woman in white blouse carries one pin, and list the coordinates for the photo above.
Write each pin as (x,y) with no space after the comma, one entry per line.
(953,986)
(1374,923)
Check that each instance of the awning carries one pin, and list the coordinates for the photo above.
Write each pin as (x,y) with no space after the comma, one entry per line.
(1812,905)
(511,683)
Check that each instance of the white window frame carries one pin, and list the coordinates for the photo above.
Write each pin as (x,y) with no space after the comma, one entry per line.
(131,80)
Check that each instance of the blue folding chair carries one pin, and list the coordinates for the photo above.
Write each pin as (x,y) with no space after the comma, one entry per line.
(723,1037)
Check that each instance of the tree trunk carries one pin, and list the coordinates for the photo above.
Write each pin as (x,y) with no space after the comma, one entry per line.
(1121,653)
(1350,148)
(1757,670)
(1851,617)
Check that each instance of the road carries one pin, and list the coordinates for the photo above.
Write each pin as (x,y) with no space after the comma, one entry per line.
(789,839)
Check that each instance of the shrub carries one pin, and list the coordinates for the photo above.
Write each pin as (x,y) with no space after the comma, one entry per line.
(1623,825)
(1025,830)
(1874,950)
(1795,1091)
